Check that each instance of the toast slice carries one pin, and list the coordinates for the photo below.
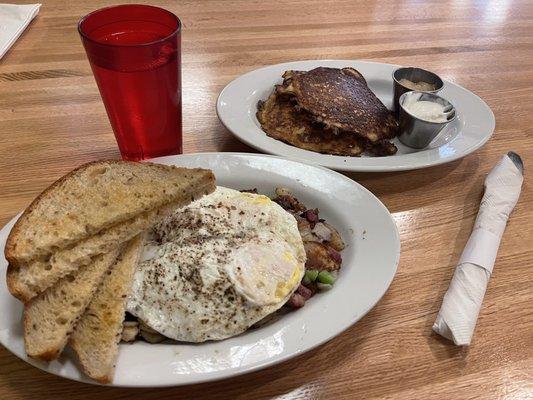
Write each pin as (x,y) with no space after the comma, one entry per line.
(29,280)
(96,336)
(50,317)
(95,197)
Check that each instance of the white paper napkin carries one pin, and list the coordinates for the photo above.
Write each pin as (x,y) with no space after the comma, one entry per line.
(13,20)
(461,304)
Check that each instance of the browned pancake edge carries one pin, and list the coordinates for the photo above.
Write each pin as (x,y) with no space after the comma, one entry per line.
(341,99)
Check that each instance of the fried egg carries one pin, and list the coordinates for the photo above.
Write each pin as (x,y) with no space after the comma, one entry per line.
(217,266)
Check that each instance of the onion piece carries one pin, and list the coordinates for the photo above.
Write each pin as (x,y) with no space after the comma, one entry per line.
(322,231)
(323,286)
(281,191)
(130,331)
(335,240)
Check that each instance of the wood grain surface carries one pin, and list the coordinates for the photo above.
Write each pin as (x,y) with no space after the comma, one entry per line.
(52,119)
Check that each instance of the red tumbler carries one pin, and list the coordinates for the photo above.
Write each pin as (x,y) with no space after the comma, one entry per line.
(134,52)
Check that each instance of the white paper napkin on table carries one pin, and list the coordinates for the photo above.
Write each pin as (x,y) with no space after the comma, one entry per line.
(13,20)
(461,304)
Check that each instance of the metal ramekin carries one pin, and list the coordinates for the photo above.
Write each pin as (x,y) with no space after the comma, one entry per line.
(414,75)
(416,132)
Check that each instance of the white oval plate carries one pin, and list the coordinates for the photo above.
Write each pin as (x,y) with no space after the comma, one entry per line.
(237,105)
(370,260)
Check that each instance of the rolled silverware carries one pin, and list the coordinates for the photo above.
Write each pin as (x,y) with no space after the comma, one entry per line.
(460,307)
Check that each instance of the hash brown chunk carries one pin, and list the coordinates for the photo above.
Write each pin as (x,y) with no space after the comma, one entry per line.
(281,120)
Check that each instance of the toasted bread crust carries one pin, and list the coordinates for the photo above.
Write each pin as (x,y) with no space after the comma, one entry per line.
(68,260)
(44,336)
(11,241)
(16,259)
(97,334)
(101,379)
(49,355)
(12,284)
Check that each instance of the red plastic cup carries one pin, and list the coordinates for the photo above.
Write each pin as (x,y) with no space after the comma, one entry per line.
(134,52)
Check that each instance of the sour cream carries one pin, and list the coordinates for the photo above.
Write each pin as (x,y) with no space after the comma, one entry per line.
(420,86)
(426,110)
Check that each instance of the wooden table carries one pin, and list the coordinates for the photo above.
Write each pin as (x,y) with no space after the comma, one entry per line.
(52,119)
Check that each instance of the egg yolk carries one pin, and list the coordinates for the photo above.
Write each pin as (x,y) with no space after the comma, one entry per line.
(283,288)
(257,199)
(265,273)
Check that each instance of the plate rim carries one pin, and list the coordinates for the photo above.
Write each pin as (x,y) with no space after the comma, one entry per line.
(268,362)
(346,165)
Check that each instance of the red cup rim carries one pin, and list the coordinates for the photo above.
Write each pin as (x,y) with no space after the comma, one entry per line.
(86,37)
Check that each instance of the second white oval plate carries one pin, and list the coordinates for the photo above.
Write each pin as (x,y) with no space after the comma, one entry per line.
(237,105)
(369,264)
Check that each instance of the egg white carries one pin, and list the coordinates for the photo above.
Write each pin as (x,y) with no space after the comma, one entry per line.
(217,266)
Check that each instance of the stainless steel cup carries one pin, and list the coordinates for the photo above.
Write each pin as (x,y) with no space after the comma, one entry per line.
(414,75)
(416,132)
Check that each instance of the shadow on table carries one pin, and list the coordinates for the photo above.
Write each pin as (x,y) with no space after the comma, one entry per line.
(417,188)
(410,180)
(229,144)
